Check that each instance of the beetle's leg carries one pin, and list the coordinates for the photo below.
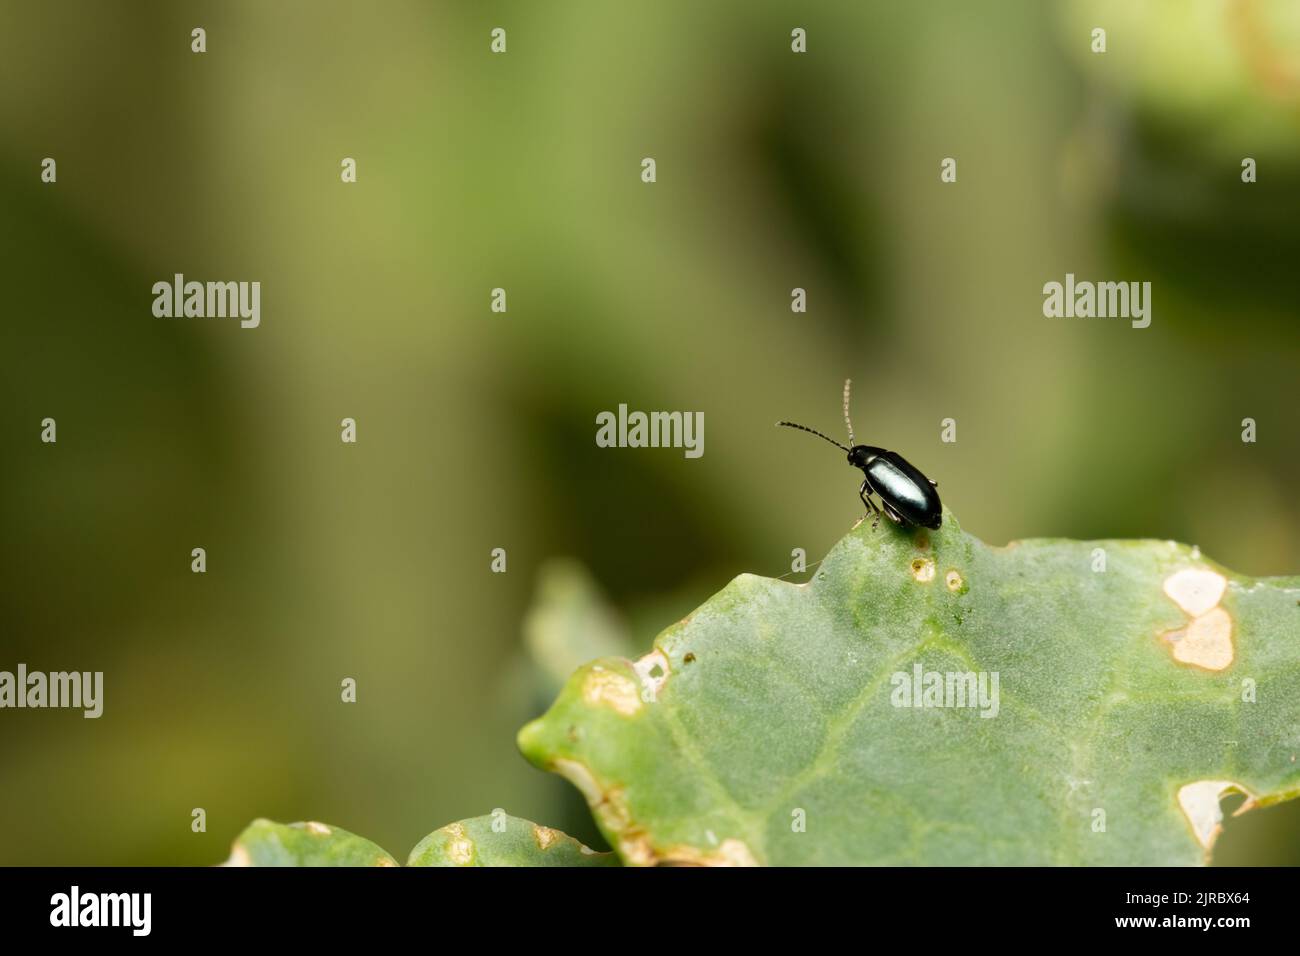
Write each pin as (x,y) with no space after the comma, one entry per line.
(893,515)
(933,482)
(871,505)
(865,494)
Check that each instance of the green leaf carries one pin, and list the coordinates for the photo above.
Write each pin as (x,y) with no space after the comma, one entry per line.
(497,840)
(266,843)
(514,842)
(776,724)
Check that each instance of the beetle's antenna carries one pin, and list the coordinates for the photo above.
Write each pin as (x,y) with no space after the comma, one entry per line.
(848,382)
(812,431)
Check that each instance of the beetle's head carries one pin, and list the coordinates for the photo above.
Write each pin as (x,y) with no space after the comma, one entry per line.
(860,455)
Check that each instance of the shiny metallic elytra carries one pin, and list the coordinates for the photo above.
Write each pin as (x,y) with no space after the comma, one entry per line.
(909,498)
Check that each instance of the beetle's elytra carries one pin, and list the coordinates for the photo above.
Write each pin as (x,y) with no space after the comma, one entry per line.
(909,498)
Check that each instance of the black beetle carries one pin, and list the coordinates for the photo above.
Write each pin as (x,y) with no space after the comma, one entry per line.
(909,497)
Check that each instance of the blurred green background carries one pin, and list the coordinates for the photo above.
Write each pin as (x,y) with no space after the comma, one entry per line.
(476,429)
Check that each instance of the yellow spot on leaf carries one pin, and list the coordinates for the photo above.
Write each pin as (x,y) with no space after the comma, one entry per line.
(578,775)
(545,836)
(923,570)
(637,850)
(460,848)
(604,688)
(609,806)
(731,852)
(1206,642)
(1207,639)
(652,669)
(1196,590)
(953,580)
(1200,804)
(611,811)
(735,853)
